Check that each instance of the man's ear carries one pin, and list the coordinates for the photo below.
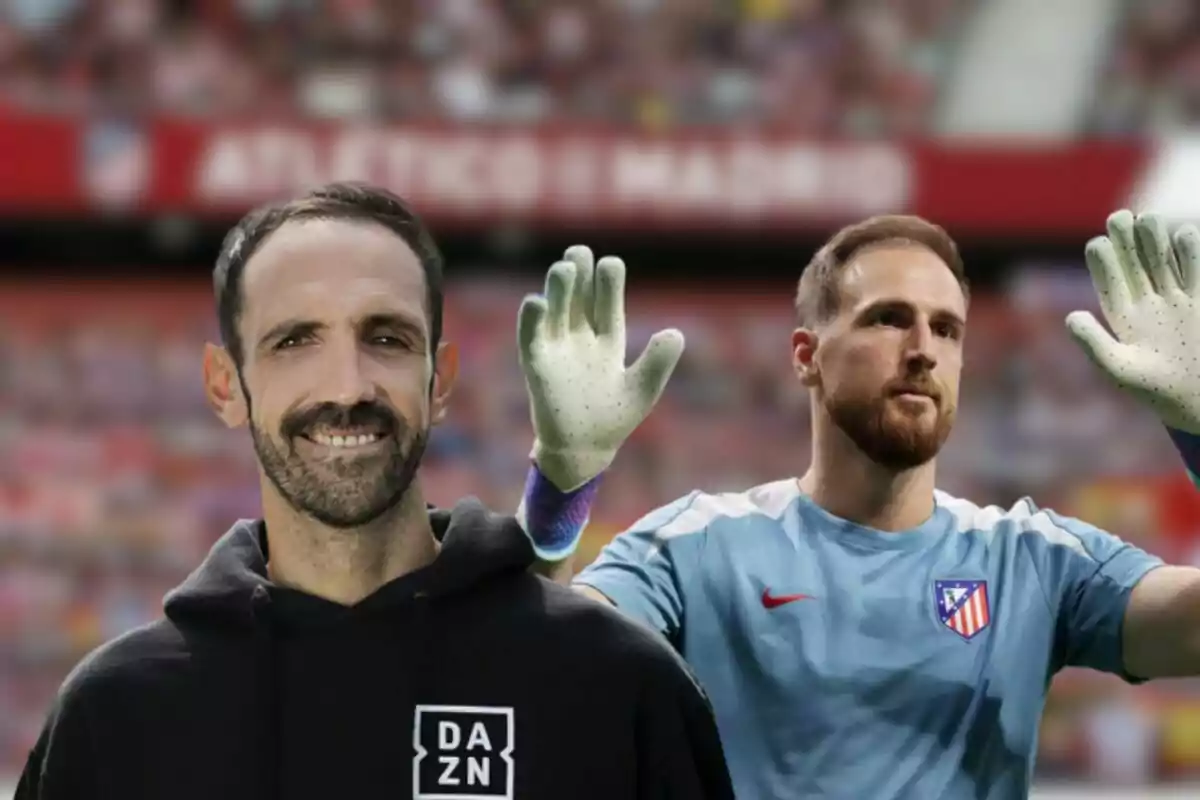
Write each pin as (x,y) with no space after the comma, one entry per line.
(804,355)
(222,387)
(445,373)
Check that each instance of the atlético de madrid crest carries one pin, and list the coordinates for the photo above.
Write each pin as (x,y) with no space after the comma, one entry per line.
(963,606)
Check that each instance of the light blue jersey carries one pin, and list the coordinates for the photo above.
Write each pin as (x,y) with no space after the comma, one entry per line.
(846,662)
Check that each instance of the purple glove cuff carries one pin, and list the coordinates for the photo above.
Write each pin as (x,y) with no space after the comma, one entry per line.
(1188,445)
(555,519)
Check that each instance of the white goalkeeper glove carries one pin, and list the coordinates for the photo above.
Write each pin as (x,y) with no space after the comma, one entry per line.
(583,401)
(1149,287)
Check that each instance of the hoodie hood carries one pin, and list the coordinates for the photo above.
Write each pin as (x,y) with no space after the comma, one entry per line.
(283,631)
(231,584)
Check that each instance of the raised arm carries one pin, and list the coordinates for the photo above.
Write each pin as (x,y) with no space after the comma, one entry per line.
(1148,282)
(583,401)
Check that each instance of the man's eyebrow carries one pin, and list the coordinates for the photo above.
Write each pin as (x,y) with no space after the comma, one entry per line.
(398,322)
(289,327)
(387,319)
(944,314)
(303,327)
(884,304)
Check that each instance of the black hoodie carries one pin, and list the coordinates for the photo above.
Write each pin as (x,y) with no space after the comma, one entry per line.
(470,678)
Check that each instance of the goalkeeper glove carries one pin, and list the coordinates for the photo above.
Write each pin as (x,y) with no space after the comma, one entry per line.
(583,401)
(1149,288)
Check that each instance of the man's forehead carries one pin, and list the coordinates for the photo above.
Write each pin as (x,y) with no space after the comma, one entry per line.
(329,268)
(901,272)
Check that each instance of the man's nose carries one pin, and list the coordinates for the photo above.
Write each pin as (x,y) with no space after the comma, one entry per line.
(348,381)
(920,355)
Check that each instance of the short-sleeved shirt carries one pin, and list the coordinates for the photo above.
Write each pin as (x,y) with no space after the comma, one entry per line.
(848,662)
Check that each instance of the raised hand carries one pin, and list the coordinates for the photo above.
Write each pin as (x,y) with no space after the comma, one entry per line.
(1149,287)
(583,400)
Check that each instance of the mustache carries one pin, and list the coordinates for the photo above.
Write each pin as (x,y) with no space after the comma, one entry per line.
(360,415)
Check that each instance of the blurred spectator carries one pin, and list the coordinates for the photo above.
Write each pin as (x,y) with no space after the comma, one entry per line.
(1153,78)
(1122,737)
(825,66)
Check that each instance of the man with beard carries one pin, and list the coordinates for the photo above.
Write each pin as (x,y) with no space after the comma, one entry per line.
(861,634)
(354,643)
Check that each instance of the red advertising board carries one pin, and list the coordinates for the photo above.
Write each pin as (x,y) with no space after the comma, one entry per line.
(566,176)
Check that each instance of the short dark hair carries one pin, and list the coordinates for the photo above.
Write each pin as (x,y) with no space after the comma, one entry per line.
(349,201)
(819,292)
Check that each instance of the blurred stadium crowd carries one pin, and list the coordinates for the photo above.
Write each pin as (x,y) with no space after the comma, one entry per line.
(1153,75)
(117,478)
(818,65)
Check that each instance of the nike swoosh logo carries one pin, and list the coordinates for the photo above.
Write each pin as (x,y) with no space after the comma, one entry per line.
(776,601)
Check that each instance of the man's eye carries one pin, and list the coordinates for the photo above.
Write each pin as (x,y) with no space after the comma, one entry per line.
(386,340)
(947,330)
(289,342)
(891,319)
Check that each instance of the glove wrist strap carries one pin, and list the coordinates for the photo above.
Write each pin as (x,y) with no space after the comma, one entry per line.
(554,520)
(570,470)
(1188,445)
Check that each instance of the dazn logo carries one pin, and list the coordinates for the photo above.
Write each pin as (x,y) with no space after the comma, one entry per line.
(463,753)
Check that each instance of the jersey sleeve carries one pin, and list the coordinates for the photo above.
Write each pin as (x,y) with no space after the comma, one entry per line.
(1088,575)
(640,569)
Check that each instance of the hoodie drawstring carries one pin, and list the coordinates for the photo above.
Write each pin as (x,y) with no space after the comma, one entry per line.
(268,691)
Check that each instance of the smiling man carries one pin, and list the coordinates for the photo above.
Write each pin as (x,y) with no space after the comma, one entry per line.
(352,642)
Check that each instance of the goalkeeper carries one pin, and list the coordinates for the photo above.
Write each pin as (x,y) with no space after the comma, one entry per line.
(861,634)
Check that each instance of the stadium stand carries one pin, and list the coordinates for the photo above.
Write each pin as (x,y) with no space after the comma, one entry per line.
(116,479)
(1152,80)
(825,67)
